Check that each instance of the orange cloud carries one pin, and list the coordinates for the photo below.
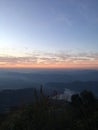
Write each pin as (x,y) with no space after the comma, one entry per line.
(51,60)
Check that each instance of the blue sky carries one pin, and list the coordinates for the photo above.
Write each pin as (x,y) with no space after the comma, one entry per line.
(53,26)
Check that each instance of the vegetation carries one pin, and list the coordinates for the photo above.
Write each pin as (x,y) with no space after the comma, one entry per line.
(47,114)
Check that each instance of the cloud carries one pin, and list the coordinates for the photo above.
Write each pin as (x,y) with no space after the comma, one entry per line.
(17,60)
(59,58)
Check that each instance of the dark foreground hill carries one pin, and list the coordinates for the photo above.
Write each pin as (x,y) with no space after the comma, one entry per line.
(47,114)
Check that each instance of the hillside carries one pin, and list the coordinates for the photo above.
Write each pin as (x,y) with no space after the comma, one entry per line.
(47,114)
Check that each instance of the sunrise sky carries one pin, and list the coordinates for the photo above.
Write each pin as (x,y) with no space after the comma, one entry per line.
(49,33)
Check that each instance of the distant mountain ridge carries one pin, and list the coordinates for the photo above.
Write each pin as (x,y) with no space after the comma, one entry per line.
(18,80)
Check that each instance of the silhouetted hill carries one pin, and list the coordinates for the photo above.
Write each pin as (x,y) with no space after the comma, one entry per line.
(10,98)
(15,97)
(18,85)
(47,114)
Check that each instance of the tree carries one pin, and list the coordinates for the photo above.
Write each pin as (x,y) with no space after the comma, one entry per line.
(76,100)
(87,98)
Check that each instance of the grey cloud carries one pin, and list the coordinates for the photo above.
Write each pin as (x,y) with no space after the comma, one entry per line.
(15,60)
(49,58)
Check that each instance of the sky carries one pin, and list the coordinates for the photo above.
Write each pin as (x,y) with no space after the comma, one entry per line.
(49,33)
